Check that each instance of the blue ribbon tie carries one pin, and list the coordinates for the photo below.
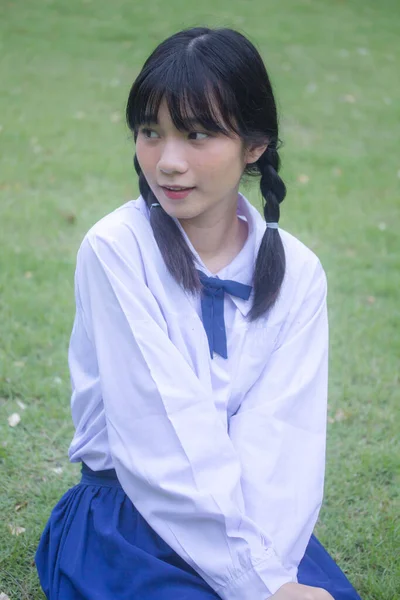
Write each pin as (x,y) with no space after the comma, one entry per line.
(212,309)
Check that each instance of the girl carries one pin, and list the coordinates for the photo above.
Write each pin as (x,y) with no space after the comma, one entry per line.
(198,359)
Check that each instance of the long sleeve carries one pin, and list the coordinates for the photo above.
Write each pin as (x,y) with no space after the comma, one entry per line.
(280,429)
(170,448)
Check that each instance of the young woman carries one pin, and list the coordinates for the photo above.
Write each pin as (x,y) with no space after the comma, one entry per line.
(198,359)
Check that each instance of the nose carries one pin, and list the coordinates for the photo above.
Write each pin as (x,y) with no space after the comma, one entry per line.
(172,158)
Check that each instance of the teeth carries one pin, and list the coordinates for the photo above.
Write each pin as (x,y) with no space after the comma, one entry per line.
(175,189)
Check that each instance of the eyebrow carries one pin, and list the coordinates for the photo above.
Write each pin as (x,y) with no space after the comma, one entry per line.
(150,120)
(153,120)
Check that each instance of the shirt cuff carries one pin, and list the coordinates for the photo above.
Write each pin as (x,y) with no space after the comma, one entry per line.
(258,583)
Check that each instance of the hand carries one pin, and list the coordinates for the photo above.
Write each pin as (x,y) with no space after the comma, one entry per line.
(297,591)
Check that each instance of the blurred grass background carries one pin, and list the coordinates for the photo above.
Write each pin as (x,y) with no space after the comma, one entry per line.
(66,160)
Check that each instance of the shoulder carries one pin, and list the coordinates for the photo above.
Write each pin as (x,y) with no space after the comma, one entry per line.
(299,257)
(305,279)
(123,233)
(121,225)
(300,260)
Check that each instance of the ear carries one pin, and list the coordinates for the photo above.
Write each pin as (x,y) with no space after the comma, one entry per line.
(254,152)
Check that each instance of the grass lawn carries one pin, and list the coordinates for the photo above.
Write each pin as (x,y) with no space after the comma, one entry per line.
(66,160)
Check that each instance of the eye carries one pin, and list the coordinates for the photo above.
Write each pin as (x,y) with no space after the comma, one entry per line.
(149,133)
(198,135)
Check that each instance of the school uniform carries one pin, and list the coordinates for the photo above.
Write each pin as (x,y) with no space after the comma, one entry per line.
(202,436)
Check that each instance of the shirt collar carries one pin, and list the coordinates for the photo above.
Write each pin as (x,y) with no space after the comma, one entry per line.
(241,268)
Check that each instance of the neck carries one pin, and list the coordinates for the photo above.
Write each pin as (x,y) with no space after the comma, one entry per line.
(218,237)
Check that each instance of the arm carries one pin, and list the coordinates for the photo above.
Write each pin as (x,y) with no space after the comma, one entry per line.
(280,429)
(170,449)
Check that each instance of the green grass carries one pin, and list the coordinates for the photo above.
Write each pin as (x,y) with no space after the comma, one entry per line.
(66,68)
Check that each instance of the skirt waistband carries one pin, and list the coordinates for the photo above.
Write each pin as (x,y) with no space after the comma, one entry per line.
(107,478)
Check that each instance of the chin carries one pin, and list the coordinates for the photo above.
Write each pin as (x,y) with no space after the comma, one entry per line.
(181,210)
(180,213)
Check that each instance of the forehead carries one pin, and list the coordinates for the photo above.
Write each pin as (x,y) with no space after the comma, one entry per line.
(164,115)
(191,118)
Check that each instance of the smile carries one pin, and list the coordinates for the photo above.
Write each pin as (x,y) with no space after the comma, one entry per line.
(176,188)
(174,192)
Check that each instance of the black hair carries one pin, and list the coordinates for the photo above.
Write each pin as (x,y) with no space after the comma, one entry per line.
(218,76)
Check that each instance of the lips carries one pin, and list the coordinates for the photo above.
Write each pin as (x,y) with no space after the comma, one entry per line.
(176,192)
(176,188)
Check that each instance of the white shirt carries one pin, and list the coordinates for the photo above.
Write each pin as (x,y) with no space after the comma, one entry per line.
(224,458)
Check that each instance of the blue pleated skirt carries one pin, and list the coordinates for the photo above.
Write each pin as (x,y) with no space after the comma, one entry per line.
(96,546)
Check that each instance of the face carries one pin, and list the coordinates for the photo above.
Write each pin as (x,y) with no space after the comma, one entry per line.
(204,168)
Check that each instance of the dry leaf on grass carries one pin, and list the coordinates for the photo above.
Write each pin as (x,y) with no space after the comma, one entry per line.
(14,419)
(68,216)
(21,505)
(349,98)
(339,416)
(21,404)
(15,530)
(303,178)
(115,117)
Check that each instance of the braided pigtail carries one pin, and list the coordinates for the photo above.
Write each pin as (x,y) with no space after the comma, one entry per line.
(177,255)
(270,263)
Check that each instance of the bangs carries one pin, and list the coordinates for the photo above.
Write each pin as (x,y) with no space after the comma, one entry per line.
(192,94)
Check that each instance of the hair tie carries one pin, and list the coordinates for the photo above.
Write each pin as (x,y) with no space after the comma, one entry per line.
(155,204)
(273,225)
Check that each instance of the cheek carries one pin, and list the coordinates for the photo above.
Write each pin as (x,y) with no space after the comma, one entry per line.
(147,158)
(222,159)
